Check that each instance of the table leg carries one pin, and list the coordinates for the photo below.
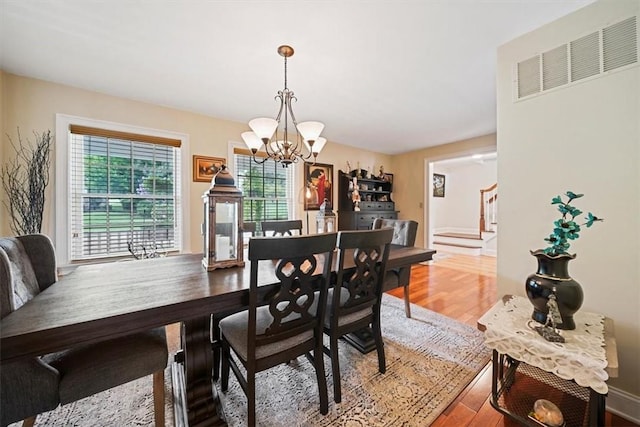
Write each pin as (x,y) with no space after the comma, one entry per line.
(596,408)
(198,392)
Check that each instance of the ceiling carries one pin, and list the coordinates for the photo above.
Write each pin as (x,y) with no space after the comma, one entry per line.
(389,76)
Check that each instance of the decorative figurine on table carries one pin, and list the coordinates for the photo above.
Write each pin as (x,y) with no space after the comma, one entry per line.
(550,329)
(381,174)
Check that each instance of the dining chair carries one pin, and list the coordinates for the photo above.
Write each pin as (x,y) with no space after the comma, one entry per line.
(282,227)
(354,301)
(404,234)
(279,326)
(39,384)
(249,227)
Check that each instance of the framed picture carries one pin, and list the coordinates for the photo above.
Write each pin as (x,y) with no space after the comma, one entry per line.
(438,185)
(388,177)
(204,168)
(318,180)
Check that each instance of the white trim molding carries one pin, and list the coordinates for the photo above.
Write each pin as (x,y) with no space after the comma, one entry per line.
(624,404)
(61,214)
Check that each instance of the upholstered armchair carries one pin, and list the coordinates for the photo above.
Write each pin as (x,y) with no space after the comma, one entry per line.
(404,233)
(40,384)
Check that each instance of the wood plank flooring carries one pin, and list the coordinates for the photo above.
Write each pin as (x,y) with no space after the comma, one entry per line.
(464,287)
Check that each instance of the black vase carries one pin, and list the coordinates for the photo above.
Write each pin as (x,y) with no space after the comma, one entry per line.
(553,272)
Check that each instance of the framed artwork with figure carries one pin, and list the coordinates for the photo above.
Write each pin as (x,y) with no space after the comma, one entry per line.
(438,185)
(318,179)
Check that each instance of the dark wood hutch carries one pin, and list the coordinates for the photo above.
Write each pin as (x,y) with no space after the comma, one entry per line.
(375,201)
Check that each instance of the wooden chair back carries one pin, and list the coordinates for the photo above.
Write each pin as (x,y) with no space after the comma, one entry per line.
(303,264)
(282,227)
(249,227)
(361,287)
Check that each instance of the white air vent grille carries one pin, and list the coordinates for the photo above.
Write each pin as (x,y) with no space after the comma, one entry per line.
(585,57)
(607,49)
(554,68)
(529,77)
(619,44)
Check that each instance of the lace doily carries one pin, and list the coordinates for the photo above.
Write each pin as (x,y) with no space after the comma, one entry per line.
(581,358)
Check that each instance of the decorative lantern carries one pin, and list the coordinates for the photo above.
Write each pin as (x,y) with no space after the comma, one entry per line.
(326,219)
(222,223)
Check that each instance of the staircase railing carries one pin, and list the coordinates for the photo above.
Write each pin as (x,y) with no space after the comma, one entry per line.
(488,208)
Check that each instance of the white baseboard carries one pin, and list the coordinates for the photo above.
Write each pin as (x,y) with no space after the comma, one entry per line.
(624,404)
(490,252)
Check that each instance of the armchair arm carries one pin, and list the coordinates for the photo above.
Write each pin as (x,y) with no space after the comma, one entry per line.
(29,387)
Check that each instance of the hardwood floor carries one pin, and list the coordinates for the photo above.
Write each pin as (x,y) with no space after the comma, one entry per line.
(464,287)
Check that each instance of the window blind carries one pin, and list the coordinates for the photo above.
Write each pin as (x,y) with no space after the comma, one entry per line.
(124,194)
(267,188)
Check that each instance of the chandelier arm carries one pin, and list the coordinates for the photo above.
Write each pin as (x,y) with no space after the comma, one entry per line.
(256,161)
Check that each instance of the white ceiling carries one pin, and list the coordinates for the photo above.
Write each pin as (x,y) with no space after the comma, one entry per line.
(390,76)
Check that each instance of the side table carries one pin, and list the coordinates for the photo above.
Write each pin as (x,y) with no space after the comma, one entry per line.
(526,367)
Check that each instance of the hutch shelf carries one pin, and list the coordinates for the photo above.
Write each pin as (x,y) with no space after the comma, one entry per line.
(374,201)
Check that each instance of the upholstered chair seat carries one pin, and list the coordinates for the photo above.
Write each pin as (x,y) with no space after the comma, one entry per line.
(89,369)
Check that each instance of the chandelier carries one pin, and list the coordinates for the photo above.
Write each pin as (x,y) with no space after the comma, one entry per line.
(279,144)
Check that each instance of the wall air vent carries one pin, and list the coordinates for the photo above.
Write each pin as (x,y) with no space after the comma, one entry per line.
(529,77)
(554,68)
(585,57)
(620,44)
(595,54)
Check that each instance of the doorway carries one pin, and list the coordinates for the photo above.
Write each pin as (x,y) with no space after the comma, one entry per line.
(452,203)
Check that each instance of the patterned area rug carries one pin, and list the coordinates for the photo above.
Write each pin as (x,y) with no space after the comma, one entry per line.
(430,360)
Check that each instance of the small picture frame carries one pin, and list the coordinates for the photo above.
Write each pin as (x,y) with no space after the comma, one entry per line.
(438,185)
(205,168)
(388,177)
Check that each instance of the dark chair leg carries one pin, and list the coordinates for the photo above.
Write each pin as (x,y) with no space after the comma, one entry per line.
(407,304)
(377,333)
(215,346)
(29,422)
(226,354)
(335,369)
(318,361)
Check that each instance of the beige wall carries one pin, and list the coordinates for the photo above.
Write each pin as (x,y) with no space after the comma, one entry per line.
(584,138)
(33,104)
(410,176)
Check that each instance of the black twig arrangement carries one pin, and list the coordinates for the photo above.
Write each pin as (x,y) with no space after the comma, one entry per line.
(25,179)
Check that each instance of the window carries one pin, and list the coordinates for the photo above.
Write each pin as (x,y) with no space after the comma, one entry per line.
(124,194)
(267,188)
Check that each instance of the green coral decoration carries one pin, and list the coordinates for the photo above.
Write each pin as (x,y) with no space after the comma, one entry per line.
(566,228)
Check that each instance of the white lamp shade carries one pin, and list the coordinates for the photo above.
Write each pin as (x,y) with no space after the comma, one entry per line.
(252,140)
(318,145)
(263,127)
(310,131)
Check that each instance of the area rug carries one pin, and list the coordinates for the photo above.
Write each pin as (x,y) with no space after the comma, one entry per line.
(430,360)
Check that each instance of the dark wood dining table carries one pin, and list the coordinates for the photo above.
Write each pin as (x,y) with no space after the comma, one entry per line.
(103,301)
